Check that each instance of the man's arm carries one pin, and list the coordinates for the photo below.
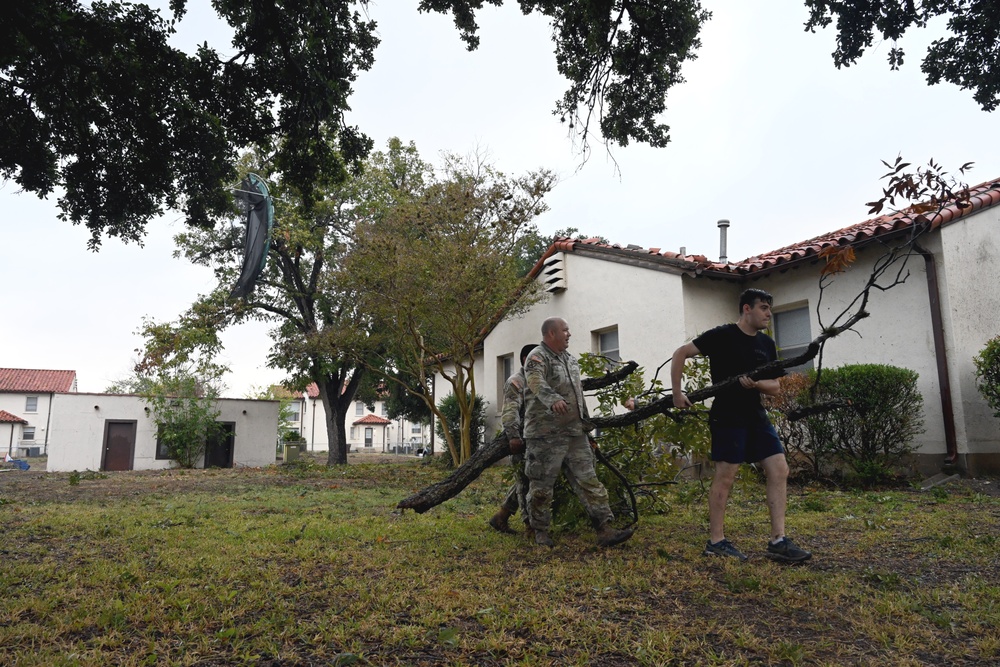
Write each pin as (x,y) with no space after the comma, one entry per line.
(534,374)
(767,387)
(681,354)
(510,417)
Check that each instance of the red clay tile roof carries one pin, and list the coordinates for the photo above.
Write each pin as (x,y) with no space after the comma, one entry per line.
(373,419)
(7,418)
(983,196)
(23,380)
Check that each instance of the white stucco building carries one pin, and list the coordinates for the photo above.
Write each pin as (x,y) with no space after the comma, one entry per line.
(640,304)
(117,432)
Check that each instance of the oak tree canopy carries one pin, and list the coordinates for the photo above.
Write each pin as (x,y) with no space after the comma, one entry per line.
(100,108)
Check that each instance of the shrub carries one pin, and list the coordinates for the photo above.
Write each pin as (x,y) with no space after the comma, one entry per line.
(804,457)
(449,407)
(988,374)
(184,410)
(873,436)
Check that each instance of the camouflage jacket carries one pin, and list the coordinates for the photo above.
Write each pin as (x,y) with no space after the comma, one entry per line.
(512,414)
(551,378)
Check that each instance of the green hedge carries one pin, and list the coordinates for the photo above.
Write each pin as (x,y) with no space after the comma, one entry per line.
(873,436)
(988,374)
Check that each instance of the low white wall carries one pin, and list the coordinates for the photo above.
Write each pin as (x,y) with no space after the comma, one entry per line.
(76,436)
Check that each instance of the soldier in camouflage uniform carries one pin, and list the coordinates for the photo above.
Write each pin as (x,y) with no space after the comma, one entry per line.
(556,423)
(511,418)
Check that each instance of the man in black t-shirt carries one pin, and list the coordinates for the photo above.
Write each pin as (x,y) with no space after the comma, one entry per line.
(741,431)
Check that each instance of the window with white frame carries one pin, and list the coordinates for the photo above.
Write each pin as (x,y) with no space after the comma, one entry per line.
(791,335)
(416,428)
(28,433)
(359,408)
(607,343)
(354,433)
(293,412)
(505,368)
(385,408)
(31,404)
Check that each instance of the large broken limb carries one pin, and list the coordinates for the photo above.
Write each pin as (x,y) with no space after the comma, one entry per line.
(487,455)
(463,475)
(665,405)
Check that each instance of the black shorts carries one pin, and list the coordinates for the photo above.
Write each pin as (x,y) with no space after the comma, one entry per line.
(744,443)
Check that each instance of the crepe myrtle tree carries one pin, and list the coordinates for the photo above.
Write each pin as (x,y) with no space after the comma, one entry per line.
(987,364)
(435,271)
(183,403)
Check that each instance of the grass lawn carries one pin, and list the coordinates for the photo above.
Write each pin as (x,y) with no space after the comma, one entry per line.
(304,565)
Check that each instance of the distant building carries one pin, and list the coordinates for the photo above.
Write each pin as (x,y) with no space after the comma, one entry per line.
(368,431)
(118,432)
(26,396)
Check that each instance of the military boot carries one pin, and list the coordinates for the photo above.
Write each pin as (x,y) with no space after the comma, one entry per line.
(499,523)
(608,535)
(542,539)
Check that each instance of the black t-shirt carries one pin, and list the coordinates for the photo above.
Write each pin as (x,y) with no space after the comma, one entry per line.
(730,353)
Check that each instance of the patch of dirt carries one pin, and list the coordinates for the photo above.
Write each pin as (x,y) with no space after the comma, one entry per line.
(987,487)
(37,485)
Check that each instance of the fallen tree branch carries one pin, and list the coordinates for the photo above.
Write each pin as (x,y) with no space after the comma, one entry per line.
(665,405)
(628,485)
(809,410)
(590,384)
(461,477)
(495,451)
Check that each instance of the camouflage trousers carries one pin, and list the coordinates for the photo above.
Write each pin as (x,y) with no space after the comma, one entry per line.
(572,453)
(517,496)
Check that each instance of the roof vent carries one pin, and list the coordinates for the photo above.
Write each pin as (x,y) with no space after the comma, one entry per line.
(553,275)
(723,227)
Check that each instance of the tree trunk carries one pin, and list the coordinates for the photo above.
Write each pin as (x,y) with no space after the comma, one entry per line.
(337,393)
(335,434)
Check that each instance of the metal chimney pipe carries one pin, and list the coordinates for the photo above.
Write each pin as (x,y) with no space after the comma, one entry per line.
(723,227)
(683,251)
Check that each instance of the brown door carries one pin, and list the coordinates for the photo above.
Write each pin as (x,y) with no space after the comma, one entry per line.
(219,449)
(119,445)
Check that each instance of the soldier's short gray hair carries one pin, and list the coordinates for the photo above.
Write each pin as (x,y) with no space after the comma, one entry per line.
(550,324)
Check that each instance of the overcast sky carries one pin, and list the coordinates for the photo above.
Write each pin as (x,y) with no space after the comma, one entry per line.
(766,132)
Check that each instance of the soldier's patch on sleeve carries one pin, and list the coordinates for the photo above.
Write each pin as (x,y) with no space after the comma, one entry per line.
(516,383)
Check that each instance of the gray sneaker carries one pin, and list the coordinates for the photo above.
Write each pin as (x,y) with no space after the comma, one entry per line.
(724,548)
(787,552)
